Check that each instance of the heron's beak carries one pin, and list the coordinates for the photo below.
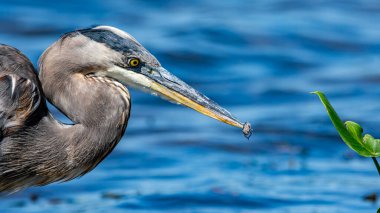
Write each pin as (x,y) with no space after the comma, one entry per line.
(170,87)
(161,82)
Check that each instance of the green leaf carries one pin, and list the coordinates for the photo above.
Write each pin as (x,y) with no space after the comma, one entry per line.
(355,130)
(350,133)
(372,145)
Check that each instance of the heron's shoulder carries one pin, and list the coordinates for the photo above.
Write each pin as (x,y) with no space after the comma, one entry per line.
(20,93)
(14,62)
(19,100)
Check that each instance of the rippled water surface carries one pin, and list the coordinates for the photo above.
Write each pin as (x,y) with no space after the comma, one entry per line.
(259,59)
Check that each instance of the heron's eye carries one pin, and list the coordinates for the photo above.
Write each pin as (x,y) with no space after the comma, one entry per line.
(134,62)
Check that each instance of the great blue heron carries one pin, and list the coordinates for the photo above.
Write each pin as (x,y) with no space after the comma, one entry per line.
(84,75)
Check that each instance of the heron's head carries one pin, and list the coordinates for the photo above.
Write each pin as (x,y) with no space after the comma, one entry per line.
(110,52)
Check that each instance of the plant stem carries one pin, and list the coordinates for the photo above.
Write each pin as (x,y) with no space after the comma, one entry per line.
(377,164)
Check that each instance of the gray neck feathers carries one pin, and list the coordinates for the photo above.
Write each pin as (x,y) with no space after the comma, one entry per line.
(99,108)
(52,151)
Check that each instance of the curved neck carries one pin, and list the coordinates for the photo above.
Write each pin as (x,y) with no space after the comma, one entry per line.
(99,108)
(50,151)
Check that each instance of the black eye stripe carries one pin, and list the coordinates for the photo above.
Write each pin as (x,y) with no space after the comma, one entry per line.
(111,39)
(126,46)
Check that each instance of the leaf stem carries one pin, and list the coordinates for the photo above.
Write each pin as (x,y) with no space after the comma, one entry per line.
(377,164)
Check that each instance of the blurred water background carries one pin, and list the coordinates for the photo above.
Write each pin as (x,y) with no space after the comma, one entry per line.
(259,59)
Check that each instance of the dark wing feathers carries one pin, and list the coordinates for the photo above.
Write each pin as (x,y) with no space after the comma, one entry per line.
(19,90)
(18,99)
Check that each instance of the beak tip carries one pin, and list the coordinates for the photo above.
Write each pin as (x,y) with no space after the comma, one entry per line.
(247,130)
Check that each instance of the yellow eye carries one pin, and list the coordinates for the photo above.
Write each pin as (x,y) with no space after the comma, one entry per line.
(134,62)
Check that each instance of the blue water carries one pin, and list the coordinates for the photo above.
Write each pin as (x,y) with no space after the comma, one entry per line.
(259,59)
